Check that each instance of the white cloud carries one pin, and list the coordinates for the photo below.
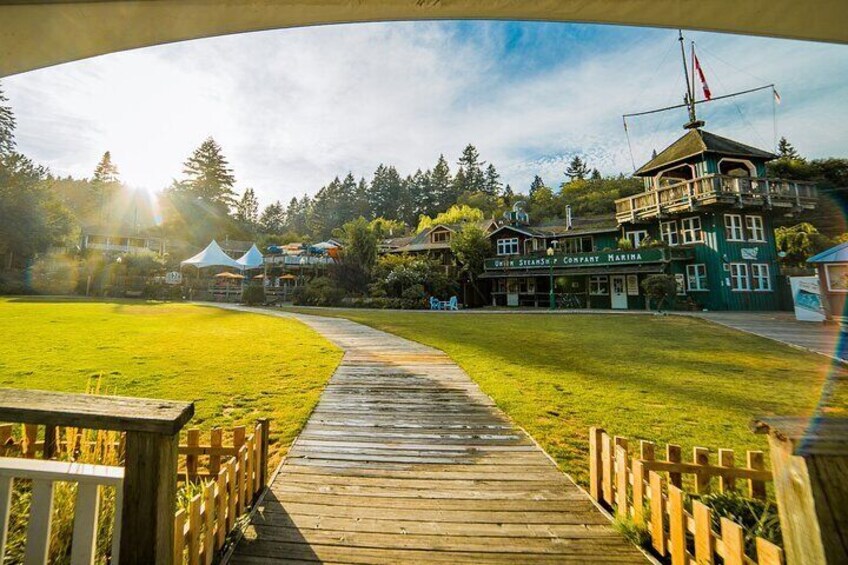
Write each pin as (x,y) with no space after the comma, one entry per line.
(294,108)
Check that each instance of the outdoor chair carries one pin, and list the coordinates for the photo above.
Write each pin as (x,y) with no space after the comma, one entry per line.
(435,304)
(452,304)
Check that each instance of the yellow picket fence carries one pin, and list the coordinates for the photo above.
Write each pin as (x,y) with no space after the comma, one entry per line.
(229,488)
(650,492)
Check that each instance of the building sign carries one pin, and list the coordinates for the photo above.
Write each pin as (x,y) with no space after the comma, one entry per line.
(806,296)
(600,258)
(632,285)
(174,277)
(750,253)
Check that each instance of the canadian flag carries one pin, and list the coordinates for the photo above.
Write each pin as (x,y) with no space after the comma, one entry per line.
(707,94)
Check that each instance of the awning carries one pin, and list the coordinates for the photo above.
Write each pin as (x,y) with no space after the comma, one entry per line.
(252,259)
(212,256)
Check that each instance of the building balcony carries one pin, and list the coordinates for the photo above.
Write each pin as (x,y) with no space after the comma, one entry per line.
(688,196)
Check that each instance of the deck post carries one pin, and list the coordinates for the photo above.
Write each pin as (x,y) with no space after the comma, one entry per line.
(809,458)
(150,498)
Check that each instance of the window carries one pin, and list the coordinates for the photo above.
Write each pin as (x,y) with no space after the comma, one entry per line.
(599,286)
(690,230)
(577,245)
(508,246)
(733,227)
(755,228)
(739,277)
(696,276)
(760,276)
(668,232)
(636,237)
(533,244)
(440,236)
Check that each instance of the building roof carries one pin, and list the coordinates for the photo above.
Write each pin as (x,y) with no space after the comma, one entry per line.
(421,241)
(837,254)
(697,141)
(579,226)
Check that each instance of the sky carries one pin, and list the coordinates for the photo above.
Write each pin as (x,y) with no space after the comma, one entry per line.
(294,108)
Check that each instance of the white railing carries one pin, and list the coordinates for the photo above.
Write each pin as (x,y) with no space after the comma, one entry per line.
(91,479)
(711,187)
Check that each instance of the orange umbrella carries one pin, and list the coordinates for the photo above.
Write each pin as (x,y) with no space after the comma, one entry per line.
(288,277)
(229,276)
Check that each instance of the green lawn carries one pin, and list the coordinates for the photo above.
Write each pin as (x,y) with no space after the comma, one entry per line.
(666,379)
(235,367)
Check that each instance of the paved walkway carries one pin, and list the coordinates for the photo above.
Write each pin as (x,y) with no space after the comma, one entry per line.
(405,460)
(783,327)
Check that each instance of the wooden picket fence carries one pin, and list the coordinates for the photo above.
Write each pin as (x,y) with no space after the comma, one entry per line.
(230,476)
(650,492)
(233,477)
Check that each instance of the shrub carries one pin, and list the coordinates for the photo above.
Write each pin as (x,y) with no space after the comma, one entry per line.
(253,294)
(661,288)
(12,282)
(318,292)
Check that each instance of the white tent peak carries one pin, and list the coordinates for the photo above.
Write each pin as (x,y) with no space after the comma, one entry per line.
(252,259)
(212,256)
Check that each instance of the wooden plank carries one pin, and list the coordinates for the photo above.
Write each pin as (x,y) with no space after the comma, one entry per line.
(703,533)
(607,463)
(673,454)
(232,494)
(221,496)
(208,523)
(179,537)
(658,538)
(192,440)
(86,514)
(50,443)
(639,479)
(768,553)
(676,526)
(733,539)
(37,549)
(701,458)
(194,525)
(756,460)
(621,478)
(215,440)
(250,460)
(91,411)
(30,437)
(265,434)
(5,509)
(149,498)
(725,459)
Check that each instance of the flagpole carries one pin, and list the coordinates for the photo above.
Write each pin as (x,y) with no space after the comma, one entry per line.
(690,100)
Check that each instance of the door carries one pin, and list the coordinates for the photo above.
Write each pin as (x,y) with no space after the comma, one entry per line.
(618,292)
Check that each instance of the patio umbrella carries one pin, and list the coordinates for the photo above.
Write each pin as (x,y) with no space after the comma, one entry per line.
(228,276)
(288,277)
(259,276)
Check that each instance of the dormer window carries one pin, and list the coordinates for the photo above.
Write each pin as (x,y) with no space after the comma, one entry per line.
(441,236)
(508,246)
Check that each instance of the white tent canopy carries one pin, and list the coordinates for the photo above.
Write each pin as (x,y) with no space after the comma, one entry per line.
(250,260)
(212,256)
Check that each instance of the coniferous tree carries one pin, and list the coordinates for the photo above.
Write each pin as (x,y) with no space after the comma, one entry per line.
(596,174)
(7,126)
(209,176)
(508,195)
(492,185)
(442,186)
(577,169)
(786,150)
(470,176)
(247,209)
(273,218)
(387,194)
(104,184)
(536,185)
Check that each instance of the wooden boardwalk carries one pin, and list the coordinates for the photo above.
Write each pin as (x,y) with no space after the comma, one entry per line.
(405,460)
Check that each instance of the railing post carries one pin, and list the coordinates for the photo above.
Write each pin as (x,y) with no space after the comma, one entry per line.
(265,425)
(150,490)
(809,458)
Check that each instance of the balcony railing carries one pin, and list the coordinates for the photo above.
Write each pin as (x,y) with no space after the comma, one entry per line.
(716,189)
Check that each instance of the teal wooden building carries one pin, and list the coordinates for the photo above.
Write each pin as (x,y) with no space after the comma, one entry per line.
(706,217)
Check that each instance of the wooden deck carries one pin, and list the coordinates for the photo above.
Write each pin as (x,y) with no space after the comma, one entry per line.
(405,460)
